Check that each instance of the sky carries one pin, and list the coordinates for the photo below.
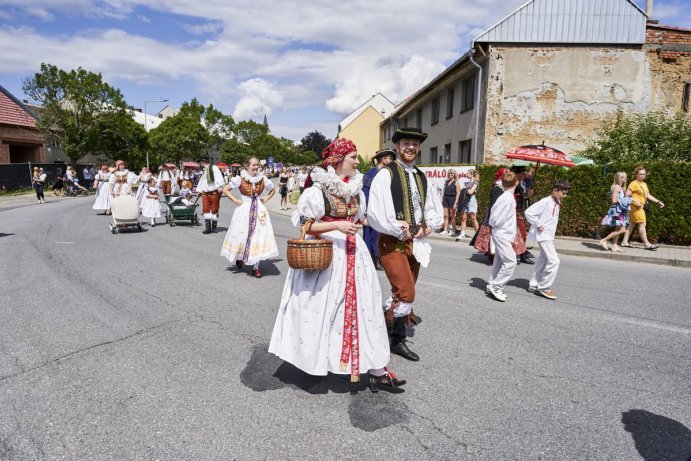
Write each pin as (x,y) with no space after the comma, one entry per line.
(305,64)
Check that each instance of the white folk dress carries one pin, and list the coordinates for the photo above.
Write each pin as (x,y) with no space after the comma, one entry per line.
(122,181)
(317,328)
(151,206)
(143,181)
(250,237)
(102,201)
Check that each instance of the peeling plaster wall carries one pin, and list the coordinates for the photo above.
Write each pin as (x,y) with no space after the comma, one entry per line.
(560,95)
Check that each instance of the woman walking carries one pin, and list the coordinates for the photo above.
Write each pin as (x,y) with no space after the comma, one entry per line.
(283,188)
(452,190)
(37,181)
(332,321)
(250,237)
(618,214)
(102,187)
(638,191)
(469,208)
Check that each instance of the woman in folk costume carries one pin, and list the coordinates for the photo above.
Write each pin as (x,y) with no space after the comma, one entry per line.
(151,206)
(102,187)
(144,177)
(250,237)
(332,320)
(121,180)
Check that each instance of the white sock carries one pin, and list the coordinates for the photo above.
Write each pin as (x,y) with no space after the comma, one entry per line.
(377,372)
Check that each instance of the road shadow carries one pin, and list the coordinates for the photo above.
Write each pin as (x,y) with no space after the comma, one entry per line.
(267,268)
(478,283)
(519,283)
(2,234)
(657,437)
(592,246)
(480,258)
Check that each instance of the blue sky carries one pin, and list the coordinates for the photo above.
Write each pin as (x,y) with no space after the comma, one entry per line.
(304,64)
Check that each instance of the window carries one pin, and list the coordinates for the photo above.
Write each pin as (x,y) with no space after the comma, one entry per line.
(435,110)
(418,116)
(405,122)
(433,155)
(447,153)
(464,151)
(468,94)
(685,97)
(449,103)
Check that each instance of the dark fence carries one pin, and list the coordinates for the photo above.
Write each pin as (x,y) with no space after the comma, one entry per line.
(15,176)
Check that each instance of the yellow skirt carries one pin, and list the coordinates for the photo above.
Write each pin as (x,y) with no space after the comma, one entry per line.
(637,215)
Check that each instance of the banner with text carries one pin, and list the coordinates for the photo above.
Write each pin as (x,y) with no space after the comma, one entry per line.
(436,175)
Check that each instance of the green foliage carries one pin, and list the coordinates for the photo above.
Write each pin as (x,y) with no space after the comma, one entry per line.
(642,138)
(75,106)
(253,138)
(120,137)
(588,199)
(315,142)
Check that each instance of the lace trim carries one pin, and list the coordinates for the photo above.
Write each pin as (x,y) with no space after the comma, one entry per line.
(334,185)
(252,179)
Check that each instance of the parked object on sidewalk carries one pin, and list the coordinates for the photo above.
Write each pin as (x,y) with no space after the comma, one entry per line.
(125,215)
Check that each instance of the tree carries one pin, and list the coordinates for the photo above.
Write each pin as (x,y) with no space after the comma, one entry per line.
(234,151)
(191,133)
(314,141)
(249,131)
(118,136)
(641,138)
(74,105)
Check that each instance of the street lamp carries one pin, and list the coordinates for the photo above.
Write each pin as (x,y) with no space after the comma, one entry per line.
(146,125)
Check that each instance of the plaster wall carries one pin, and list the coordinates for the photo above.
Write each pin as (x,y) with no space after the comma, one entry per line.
(559,94)
(364,132)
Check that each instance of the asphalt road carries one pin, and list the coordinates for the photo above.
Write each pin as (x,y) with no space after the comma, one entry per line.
(150,346)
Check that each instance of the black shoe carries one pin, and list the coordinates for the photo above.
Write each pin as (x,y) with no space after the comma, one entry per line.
(377,264)
(214,224)
(401,348)
(526,259)
(239,264)
(388,382)
(207,229)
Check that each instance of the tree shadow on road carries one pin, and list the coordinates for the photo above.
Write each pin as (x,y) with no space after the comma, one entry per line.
(657,437)
(2,234)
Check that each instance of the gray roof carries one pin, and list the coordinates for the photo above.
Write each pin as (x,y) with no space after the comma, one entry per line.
(571,21)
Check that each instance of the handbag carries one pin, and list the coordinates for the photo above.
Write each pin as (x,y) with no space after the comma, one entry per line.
(646,206)
(309,254)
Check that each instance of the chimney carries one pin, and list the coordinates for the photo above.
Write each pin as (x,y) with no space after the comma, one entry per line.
(649,9)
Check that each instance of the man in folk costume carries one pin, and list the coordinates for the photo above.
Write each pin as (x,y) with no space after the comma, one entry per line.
(165,178)
(210,185)
(404,210)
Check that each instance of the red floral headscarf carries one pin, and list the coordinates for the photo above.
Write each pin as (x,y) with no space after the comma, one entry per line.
(336,151)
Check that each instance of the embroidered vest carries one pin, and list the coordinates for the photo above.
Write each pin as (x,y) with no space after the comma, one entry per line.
(248,189)
(336,207)
(402,195)
(120,178)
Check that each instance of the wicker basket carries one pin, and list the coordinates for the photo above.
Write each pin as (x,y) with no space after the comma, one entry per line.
(309,255)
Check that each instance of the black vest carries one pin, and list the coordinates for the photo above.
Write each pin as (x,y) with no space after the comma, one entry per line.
(402,195)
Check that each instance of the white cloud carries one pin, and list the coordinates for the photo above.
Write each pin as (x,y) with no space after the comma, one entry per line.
(259,98)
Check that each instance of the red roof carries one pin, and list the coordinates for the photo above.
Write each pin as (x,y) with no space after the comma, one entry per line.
(12,113)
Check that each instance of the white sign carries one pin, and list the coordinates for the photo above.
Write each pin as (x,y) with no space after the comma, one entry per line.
(436,175)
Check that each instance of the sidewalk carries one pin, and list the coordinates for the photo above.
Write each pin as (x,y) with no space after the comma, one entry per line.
(665,255)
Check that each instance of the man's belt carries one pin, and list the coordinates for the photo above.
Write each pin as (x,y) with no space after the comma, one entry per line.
(210,193)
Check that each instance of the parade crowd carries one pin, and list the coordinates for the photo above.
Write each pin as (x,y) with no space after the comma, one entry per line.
(337,320)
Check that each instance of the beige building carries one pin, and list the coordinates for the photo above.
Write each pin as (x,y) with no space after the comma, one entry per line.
(362,125)
(553,72)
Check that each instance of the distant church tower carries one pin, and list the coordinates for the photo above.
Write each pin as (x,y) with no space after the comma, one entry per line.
(266,123)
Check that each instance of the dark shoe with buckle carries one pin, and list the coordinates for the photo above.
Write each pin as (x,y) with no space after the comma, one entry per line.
(256,273)
(401,348)
(388,382)
(524,259)
(239,264)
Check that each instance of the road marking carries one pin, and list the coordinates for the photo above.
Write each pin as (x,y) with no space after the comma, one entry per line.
(65,243)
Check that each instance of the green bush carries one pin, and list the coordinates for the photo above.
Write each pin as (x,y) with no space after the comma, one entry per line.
(588,199)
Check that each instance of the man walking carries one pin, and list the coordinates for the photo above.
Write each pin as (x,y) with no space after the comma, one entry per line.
(210,185)
(369,235)
(404,210)
(522,195)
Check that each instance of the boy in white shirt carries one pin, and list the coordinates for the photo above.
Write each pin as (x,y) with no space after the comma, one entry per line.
(502,219)
(543,217)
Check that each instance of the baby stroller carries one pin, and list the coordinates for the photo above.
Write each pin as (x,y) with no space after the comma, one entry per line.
(74,189)
(125,215)
(177,210)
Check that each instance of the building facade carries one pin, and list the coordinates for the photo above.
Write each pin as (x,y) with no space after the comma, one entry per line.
(552,72)
(20,141)
(362,125)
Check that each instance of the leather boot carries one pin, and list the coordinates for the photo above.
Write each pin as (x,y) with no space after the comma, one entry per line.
(399,347)
(207,223)
(214,223)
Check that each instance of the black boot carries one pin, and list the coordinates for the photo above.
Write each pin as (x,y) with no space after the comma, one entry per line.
(377,263)
(214,223)
(207,223)
(525,259)
(399,347)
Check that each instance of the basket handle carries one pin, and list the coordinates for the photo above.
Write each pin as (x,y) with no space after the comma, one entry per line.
(305,228)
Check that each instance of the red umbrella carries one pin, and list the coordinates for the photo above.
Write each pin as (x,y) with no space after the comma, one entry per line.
(170,166)
(235,164)
(222,165)
(541,154)
(190,165)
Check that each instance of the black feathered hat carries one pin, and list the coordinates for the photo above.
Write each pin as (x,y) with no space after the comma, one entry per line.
(408,133)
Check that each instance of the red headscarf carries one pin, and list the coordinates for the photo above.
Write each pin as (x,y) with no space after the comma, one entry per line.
(117,164)
(499,174)
(336,151)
